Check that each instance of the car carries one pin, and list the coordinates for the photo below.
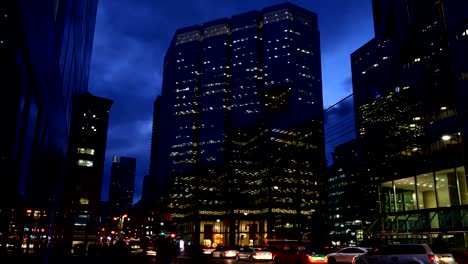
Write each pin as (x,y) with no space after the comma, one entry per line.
(150,248)
(224,252)
(346,254)
(280,246)
(302,255)
(254,254)
(404,253)
(208,250)
(135,247)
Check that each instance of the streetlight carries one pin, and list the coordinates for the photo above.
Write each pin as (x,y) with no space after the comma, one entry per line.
(446,137)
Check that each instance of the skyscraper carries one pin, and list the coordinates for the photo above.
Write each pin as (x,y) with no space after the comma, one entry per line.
(411,118)
(122,184)
(46,51)
(242,139)
(86,153)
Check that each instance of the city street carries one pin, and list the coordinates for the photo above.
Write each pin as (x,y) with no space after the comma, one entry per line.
(123,260)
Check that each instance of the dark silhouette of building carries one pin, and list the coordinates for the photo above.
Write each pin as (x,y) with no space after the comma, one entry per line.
(242,141)
(45,52)
(122,183)
(345,206)
(86,153)
(153,186)
(410,105)
(345,203)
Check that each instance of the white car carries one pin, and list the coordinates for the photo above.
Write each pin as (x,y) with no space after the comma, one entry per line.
(404,253)
(224,252)
(254,254)
(346,254)
(208,250)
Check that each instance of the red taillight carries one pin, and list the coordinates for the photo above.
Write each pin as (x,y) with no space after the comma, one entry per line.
(431,258)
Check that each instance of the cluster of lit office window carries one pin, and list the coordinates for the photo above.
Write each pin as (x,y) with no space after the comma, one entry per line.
(371,113)
(85,163)
(216,31)
(186,112)
(211,108)
(88,151)
(244,27)
(188,37)
(214,90)
(277,16)
(188,152)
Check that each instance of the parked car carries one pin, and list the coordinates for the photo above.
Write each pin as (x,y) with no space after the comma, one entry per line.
(254,254)
(346,254)
(404,253)
(224,252)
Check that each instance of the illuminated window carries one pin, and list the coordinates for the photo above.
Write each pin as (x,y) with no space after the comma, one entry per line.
(85,163)
(89,151)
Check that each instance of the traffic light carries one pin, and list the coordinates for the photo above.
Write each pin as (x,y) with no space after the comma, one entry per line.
(173,235)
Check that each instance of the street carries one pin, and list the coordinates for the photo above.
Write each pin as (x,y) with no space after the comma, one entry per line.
(111,260)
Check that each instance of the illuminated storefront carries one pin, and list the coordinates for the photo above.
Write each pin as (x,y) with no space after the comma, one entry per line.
(420,207)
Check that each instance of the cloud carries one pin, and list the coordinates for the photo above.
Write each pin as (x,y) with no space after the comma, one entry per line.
(348,84)
(131,39)
(129,139)
(339,125)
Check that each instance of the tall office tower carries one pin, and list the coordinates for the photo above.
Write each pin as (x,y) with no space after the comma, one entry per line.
(344,210)
(122,183)
(45,52)
(243,126)
(86,153)
(411,116)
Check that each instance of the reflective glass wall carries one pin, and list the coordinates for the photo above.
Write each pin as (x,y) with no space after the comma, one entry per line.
(429,202)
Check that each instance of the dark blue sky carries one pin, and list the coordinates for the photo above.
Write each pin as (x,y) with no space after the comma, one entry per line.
(131,38)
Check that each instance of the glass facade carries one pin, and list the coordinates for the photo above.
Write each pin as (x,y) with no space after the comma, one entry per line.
(410,120)
(425,204)
(42,67)
(242,98)
(425,191)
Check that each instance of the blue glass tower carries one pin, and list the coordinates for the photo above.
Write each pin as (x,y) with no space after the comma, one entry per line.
(46,52)
(243,136)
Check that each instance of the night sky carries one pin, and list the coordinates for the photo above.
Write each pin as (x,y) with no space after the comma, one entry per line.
(131,39)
